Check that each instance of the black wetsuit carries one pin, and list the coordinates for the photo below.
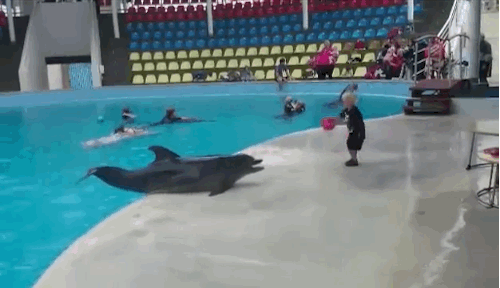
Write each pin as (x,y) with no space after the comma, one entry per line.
(290,110)
(172,120)
(289,107)
(355,126)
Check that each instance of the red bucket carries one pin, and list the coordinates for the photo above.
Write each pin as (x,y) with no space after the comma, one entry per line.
(328,123)
(492,151)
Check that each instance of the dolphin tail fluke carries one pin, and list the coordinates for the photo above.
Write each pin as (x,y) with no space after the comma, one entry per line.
(163,153)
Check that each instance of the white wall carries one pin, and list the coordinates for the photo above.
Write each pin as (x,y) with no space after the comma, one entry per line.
(55,74)
(95,47)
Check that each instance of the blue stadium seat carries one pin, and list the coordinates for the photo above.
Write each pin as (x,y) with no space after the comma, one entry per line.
(200,43)
(252,31)
(369,12)
(212,43)
(191,34)
(243,41)
(358,13)
(401,20)
(167,45)
(157,36)
(316,26)
(254,41)
(275,29)
(201,24)
(347,14)
(419,9)
(202,33)
(242,22)
(388,21)
(375,22)
(403,9)
(277,40)
(169,35)
(297,28)
(150,27)
(146,36)
(336,15)
(288,39)
(222,42)
(191,25)
(334,36)
(322,36)
(265,40)
(264,30)
(231,32)
(328,26)
(252,22)
(220,32)
(242,32)
(286,28)
(380,11)
(157,45)
(316,17)
(140,27)
(382,32)
(135,36)
(145,46)
(357,34)
(171,26)
(325,16)
(283,19)
(294,18)
(133,46)
(393,10)
(130,27)
(232,42)
(299,38)
(345,35)
(311,37)
(339,25)
(351,24)
(231,22)
(160,26)
(362,22)
(273,20)
(180,34)
(263,21)
(178,44)
(370,33)
(219,24)
(189,44)
(181,25)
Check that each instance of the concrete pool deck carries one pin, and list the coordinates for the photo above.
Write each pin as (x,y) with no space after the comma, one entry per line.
(406,217)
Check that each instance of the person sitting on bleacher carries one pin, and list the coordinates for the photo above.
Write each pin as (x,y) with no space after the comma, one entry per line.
(393,61)
(246,74)
(359,45)
(201,75)
(324,62)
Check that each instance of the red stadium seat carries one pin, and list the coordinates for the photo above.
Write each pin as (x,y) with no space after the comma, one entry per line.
(184,1)
(141,10)
(180,16)
(190,9)
(343,5)
(260,12)
(218,14)
(266,3)
(238,6)
(170,16)
(130,18)
(171,9)
(248,13)
(275,3)
(175,1)
(332,6)
(201,15)
(280,10)
(146,2)
(161,10)
(289,9)
(137,2)
(151,10)
(229,14)
(160,17)
(199,8)
(228,6)
(150,17)
(247,5)
(387,2)
(132,10)
(366,3)
(167,2)
(312,7)
(194,1)
(269,11)
(155,2)
(376,3)
(181,9)
(238,13)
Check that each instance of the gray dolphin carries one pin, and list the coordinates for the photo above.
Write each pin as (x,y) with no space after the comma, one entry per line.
(169,173)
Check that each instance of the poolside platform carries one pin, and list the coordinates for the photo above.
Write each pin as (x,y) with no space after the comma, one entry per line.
(406,217)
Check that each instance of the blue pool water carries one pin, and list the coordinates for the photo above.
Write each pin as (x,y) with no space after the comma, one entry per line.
(42,211)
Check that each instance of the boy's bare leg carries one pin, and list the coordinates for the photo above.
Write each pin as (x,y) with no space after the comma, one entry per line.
(354,155)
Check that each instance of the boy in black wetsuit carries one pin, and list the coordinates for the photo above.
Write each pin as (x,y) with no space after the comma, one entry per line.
(355,126)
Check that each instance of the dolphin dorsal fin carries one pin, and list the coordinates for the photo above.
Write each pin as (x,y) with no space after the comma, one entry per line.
(163,154)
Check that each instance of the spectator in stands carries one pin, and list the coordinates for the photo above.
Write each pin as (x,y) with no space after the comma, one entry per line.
(435,56)
(393,61)
(382,52)
(324,62)
(246,74)
(359,45)
(409,58)
(485,60)
(201,75)
(232,76)
(282,73)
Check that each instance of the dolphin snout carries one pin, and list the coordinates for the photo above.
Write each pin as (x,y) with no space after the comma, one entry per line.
(258,161)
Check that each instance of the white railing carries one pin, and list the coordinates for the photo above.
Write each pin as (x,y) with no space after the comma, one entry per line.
(95,48)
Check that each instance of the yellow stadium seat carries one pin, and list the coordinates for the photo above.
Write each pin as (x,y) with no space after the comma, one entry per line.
(173,66)
(217,53)
(338,45)
(211,77)
(346,73)
(221,64)
(146,56)
(150,66)
(185,65)
(264,51)
(304,60)
(260,75)
(182,54)
(137,67)
(206,53)
(161,66)
(163,79)
(150,79)
(229,52)
(233,63)
(175,78)
(270,75)
(297,73)
(336,72)
(321,47)
(240,52)
(369,57)
(301,48)
(244,63)
(312,48)
(288,49)
(138,79)
(198,64)
(360,72)
(134,56)
(170,55)
(294,60)
(256,62)
(342,59)
(252,51)
(276,50)
(158,56)
(210,64)
(187,77)
(354,55)
(194,54)
(268,62)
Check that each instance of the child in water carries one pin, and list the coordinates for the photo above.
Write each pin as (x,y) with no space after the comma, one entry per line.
(355,126)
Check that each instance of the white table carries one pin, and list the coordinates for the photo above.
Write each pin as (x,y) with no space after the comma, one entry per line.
(492,190)
(482,127)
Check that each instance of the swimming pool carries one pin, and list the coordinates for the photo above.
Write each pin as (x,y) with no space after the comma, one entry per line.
(42,211)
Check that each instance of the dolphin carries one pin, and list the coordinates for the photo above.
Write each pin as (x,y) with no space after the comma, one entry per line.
(169,173)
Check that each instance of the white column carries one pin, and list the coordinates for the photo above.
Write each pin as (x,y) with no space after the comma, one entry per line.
(10,19)
(210,18)
(305,14)
(411,9)
(474,38)
(114,12)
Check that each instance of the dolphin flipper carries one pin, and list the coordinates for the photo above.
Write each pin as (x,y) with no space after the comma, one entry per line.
(163,154)
(223,187)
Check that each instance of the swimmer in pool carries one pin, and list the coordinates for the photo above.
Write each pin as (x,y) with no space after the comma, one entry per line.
(351,88)
(122,130)
(293,106)
(171,117)
(127,115)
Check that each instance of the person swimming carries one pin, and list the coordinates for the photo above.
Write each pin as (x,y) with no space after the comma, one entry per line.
(293,106)
(351,88)
(122,130)
(171,117)
(127,115)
